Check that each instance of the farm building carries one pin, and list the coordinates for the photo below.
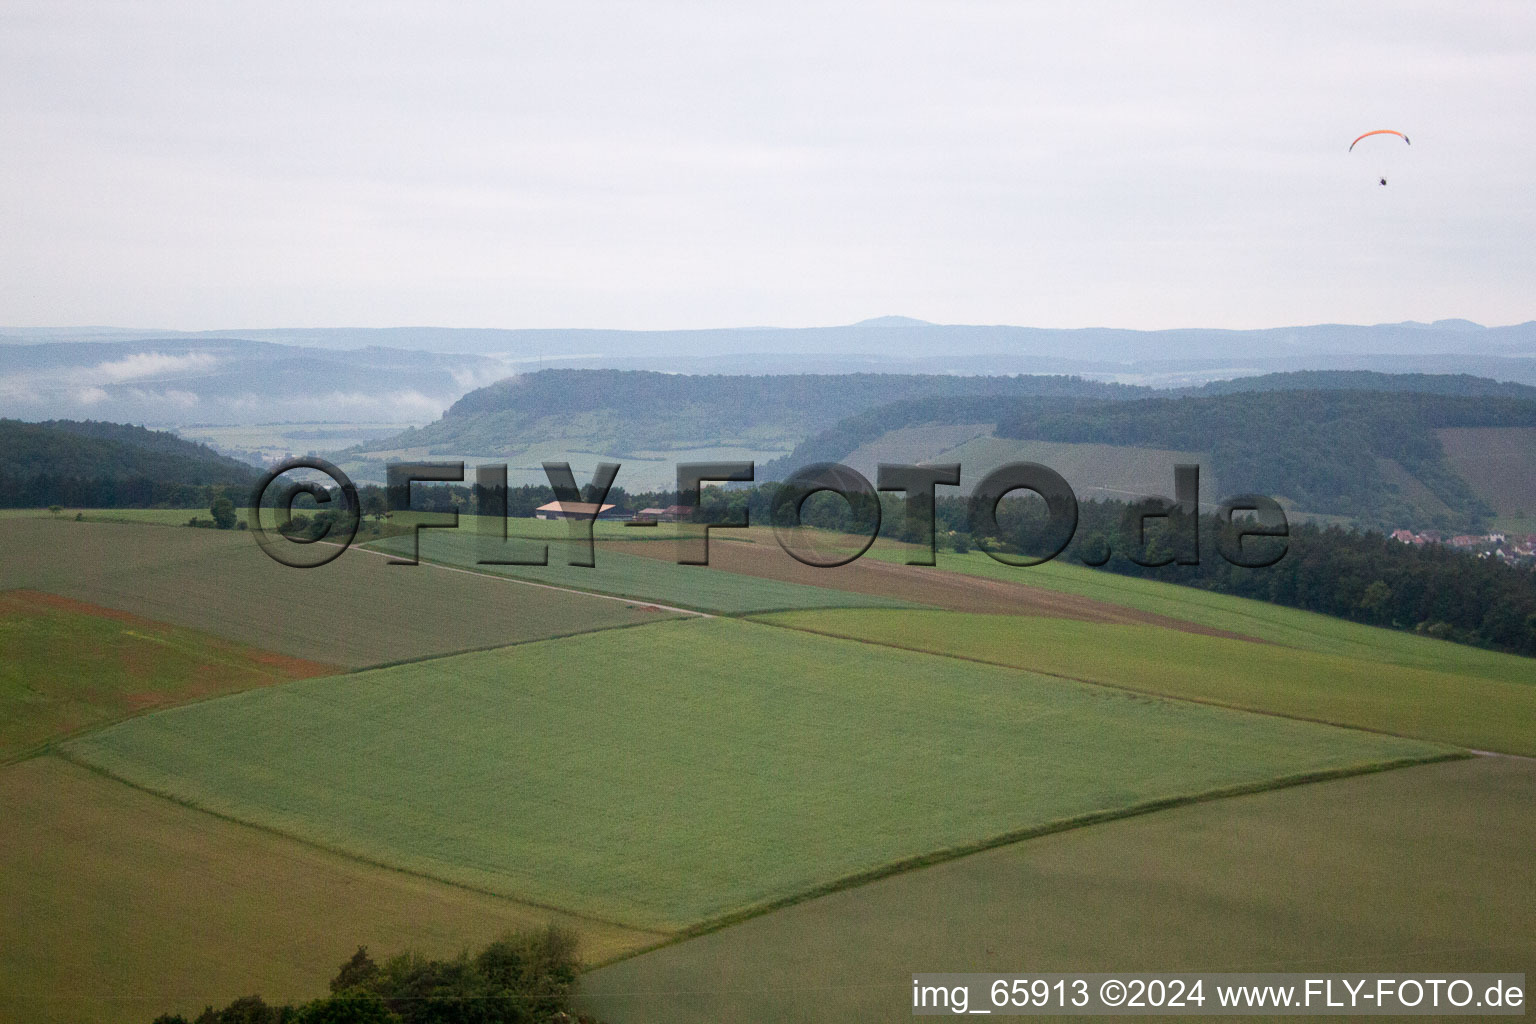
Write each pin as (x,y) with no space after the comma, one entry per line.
(571,510)
(670,514)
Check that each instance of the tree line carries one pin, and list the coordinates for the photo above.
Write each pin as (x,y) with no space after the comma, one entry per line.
(86,464)
(526,977)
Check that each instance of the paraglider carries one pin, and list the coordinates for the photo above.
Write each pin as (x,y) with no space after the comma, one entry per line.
(1380,131)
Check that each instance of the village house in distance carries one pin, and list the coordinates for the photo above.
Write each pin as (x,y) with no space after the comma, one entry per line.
(1513,550)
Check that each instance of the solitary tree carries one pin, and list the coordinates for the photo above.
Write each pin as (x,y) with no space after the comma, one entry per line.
(223,512)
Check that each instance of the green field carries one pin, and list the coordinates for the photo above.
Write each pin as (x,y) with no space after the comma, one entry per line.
(553,529)
(120,906)
(1420,869)
(1465,709)
(646,579)
(663,776)
(151,516)
(356,611)
(1275,623)
(691,772)
(70,666)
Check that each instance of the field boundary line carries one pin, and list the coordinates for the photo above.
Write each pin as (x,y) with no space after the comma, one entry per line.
(1124,688)
(192,805)
(895,605)
(421,658)
(46,745)
(1015,836)
(1187,589)
(528,583)
(53,742)
(1499,753)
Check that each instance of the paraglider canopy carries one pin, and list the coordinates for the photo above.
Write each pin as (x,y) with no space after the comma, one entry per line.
(1381,152)
(1380,131)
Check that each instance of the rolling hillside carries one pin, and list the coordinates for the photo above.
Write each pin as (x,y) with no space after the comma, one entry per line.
(651,421)
(1379,450)
(71,462)
(517,753)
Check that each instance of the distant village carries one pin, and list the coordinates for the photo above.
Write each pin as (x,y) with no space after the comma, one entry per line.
(1512,549)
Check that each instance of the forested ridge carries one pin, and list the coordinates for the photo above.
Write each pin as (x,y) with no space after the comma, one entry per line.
(1318,448)
(1322,448)
(108,465)
(1367,380)
(619,411)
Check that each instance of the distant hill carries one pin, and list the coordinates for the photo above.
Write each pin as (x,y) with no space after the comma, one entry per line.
(1365,380)
(1363,446)
(893,336)
(97,464)
(650,421)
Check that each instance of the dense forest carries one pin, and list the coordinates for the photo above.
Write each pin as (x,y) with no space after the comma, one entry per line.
(109,465)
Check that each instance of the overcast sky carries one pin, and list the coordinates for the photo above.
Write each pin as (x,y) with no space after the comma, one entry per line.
(654,165)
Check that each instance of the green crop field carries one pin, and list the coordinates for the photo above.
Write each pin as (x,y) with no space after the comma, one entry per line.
(150,516)
(70,666)
(645,579)
(356,611)
(549,529)
(1466,709)
(1419,869)
(1277,624)
(119,906)
(663,776)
